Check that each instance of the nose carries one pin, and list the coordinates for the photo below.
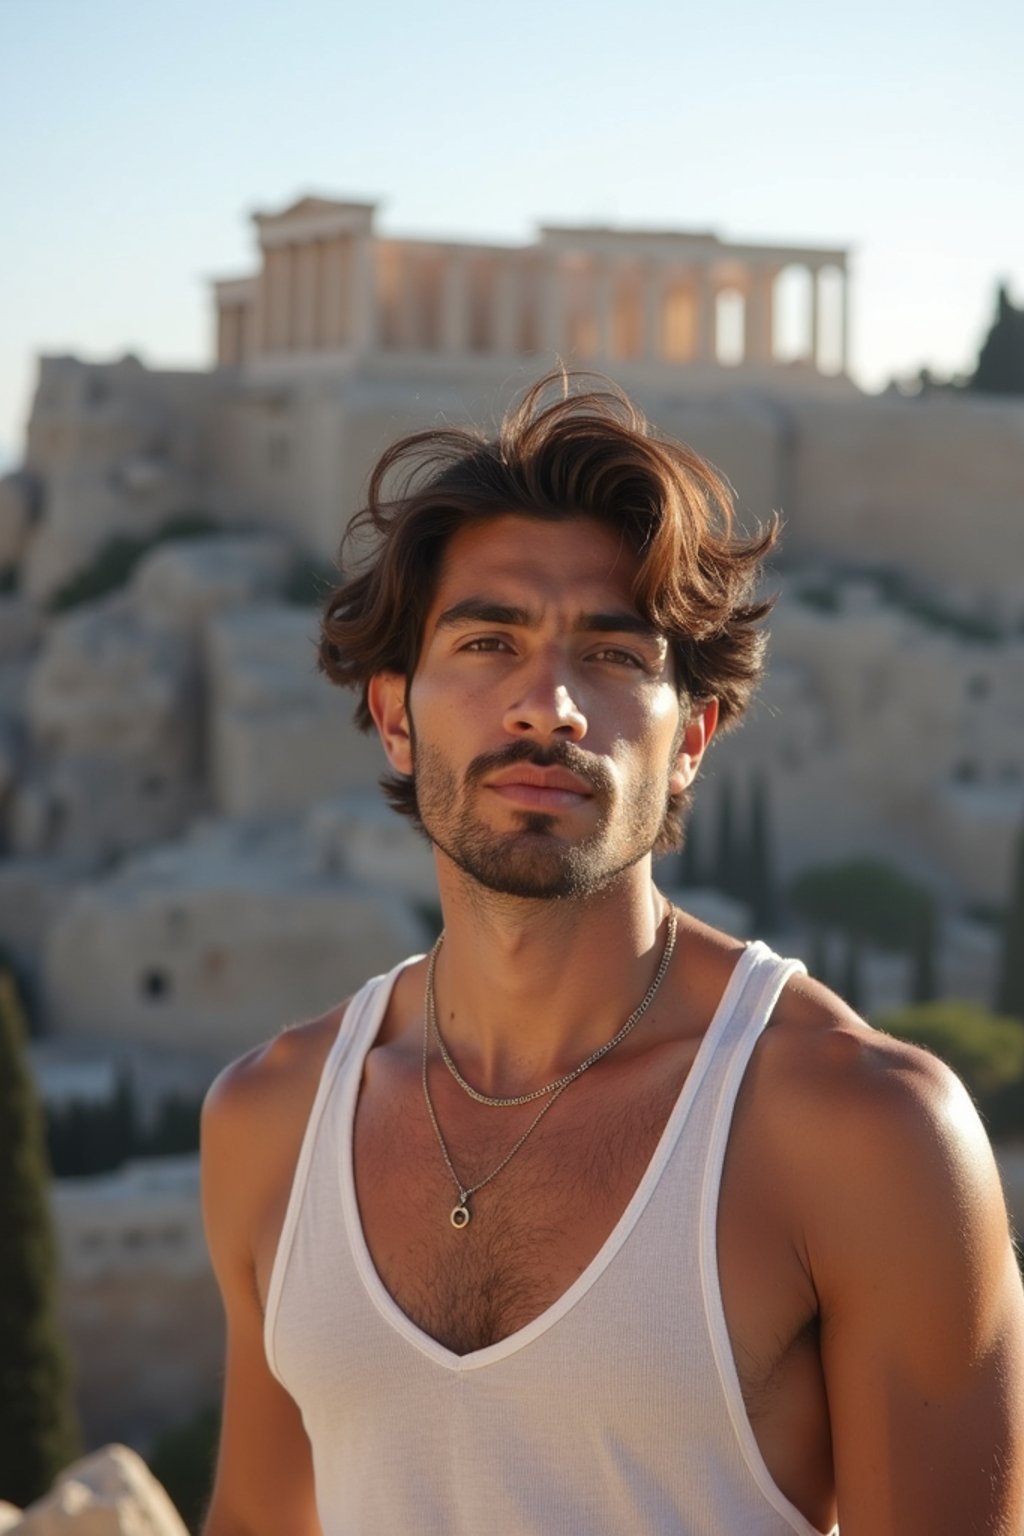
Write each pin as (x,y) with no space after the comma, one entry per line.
(545,707)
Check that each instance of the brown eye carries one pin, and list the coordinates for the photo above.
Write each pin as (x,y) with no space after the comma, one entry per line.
(619,657)
(486,643)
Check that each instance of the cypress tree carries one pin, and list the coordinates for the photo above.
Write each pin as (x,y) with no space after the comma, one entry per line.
(728,871)
(689,858)
(924,983)
(819,960)
(761,873)
(124,1119)
(852,988)
(1010,988)
(38,1435)
(1000,369)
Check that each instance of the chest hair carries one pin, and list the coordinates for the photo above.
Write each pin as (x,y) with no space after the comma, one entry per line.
(533,1231)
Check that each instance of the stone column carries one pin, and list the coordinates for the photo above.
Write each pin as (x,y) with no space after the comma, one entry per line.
(224,338)
(844,320)
(705,321)
(408,300)
(293,283)
(454,302)
(333,286)
(363,294)
(261,312)
(814,318)
(552,307)
(604,301)
(251,328)
(306,285)
(758,338)
(279,298)
(507,304)
(653,292)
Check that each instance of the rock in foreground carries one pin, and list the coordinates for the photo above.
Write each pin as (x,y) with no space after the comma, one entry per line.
(110,1493)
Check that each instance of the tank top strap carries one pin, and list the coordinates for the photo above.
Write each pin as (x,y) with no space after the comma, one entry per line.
(755,988)
(764,976)
(358,1027)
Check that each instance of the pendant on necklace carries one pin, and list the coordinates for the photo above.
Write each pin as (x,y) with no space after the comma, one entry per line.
(460,1215)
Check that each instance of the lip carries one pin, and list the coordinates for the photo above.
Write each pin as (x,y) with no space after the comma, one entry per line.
(550,788)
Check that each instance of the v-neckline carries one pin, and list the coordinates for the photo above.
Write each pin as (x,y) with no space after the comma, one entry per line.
(521,1337)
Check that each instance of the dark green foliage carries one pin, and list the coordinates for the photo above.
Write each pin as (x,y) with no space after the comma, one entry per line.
(431,915)
(117,558)
(826,599)
(851,986)
(761,889)
(182,1459)
(9,579)
(1010,986)
(986,1051)
(986,912)
(899,590)
(865,898)
(38,1434)
(90,1138)
(311,582)
(24,988)
(818,964)
(175,1131)
(690,864)
(728,867)
(1000,369)
(87,1138)
(924,983)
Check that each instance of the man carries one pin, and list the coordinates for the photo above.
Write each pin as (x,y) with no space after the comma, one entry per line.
(595,1220)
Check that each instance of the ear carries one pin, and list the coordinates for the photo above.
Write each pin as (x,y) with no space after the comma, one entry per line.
(697,733)
(386,699)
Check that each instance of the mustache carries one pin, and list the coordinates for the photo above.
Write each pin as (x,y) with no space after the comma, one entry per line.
(560,754)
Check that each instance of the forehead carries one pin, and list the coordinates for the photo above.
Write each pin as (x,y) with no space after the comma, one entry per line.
(579,561)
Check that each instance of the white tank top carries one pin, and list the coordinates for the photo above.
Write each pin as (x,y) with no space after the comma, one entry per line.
(617,1412)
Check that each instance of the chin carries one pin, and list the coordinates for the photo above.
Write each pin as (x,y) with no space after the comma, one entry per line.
(534,864)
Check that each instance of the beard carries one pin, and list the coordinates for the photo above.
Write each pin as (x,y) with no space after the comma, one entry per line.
(536,860)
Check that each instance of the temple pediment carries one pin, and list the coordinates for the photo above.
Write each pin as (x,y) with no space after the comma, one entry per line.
(314,207)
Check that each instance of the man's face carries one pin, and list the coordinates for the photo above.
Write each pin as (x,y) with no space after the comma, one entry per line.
(542,722)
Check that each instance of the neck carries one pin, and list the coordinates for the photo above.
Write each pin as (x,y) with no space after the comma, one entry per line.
(526,989)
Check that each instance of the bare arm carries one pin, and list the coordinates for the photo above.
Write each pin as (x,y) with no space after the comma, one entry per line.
(922,1308)
(264,1477)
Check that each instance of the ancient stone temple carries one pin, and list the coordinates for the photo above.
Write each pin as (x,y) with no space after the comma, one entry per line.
(330,286)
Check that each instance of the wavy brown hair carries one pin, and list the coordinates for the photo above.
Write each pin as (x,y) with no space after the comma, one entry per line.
(572,447)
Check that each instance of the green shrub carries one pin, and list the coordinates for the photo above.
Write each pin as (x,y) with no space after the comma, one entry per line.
(85,1138)
(183,1459)
(867,899)
(825,599)
(1009,996)
(116,559)
(310,582)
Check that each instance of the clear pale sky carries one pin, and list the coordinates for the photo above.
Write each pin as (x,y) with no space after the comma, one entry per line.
(136,138)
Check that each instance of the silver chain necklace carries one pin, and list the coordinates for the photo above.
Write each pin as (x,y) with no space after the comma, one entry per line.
(460,1212)
(514,1100)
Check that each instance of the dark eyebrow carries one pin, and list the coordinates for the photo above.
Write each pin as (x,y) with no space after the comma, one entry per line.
(618,622)
(476,610)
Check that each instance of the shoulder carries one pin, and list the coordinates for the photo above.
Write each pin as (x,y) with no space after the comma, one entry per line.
(826,1062)
(275,1075)
(253,1121)
(846,1088)
(893,1206)
(893,1183)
